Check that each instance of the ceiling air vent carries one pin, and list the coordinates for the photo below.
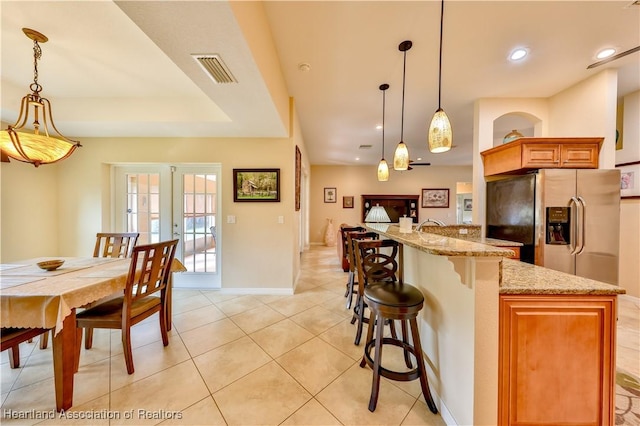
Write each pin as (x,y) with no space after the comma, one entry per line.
(215,68)
(365,146)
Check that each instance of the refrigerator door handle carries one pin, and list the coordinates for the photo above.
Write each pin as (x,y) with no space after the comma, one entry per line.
(581,223)
(575,243)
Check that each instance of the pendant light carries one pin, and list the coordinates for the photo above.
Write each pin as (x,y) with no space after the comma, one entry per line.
(383,167)
(401,156)
(440,133)
(35,146)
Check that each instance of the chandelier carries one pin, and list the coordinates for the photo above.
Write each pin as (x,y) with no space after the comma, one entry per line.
(35,145)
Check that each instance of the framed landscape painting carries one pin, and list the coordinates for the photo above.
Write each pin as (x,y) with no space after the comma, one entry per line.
(256,185)
(436,197)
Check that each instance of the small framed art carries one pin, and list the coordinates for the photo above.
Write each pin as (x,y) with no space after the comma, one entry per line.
(629,179)
(435,197)
(347,202)
(330,195)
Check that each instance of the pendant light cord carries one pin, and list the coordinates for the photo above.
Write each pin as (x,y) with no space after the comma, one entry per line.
(440,65)
(384,93)
(404,72)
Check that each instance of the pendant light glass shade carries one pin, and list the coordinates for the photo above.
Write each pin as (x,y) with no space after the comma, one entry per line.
(401,156)
(35,145)
(440,133)
(383,171)
(383,167)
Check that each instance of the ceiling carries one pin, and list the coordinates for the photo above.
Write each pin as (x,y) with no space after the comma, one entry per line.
(115,69)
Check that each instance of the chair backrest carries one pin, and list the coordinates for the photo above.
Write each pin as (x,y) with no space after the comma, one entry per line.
(149,270)
(352,237)
(374,265)
(115,244)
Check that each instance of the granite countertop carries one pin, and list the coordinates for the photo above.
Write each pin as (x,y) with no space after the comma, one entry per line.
(439,244)
(524,278)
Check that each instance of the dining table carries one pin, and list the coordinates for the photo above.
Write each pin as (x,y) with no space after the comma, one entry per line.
(33,297)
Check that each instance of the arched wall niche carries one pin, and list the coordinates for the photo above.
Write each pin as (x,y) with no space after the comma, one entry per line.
(526,123)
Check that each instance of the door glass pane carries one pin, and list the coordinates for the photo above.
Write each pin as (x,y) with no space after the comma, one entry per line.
(143,206)
(199,210)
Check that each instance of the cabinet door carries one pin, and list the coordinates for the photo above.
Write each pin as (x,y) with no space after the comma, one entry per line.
(540,155)
(579,156)
(557,360)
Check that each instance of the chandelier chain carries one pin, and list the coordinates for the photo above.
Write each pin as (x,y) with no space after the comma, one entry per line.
(37,54)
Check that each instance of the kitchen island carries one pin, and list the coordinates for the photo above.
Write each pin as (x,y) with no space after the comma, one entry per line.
(499,336)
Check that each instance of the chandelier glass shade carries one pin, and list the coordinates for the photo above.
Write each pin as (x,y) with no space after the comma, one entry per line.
(30,140)
(383,167)
(440,134)
(401,155)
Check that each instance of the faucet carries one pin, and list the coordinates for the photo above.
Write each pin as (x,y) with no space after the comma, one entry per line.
(436,221)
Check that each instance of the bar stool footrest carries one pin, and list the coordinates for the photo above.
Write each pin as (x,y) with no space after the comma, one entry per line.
(401,376)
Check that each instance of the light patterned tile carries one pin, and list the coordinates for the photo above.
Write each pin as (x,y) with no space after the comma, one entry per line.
(317,319)
(210,336)
(256,319)
(202,413)
(195,318)
(420,415)
(315,364)
(238,305)
(239,358)
(281,337)
(311,414)
(266,396)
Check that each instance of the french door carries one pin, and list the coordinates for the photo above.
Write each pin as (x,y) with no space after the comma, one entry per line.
(164,202)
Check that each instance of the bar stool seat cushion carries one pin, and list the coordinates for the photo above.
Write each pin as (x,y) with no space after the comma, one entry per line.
(393,294)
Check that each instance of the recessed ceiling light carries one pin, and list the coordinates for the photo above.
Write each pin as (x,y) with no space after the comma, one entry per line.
(605,53)
(357,158)
(304,67)
(518,54)
(379,127)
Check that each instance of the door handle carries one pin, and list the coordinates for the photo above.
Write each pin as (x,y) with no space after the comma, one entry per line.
(582,223)
(574,241)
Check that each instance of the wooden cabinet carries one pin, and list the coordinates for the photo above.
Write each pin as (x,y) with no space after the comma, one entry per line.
(556,360)
(539,153)
(395,205)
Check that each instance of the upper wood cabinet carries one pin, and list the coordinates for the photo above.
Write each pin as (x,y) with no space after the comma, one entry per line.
(526,154)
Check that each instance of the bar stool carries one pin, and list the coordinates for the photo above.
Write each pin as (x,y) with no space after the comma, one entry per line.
(351,237)
(344,228)
(388,302)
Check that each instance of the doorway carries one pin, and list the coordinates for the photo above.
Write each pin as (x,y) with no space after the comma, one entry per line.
(163,202)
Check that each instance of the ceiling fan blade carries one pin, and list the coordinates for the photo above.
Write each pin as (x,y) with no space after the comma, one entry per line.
(614,57)
(419,164)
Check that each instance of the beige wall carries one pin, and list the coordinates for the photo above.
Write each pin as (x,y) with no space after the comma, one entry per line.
(56,210)
(358,180)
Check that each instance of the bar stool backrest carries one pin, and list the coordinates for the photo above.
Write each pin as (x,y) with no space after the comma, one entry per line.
(352,237)
(374,264)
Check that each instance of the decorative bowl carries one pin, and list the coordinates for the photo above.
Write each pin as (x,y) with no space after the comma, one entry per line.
(50,265)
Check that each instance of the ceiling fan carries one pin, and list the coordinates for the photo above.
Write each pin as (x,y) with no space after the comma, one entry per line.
(414,163)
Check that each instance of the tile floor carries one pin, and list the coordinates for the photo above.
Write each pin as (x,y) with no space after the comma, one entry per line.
(240,359)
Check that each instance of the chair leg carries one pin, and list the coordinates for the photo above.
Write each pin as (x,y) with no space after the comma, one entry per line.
(88,338)
(421,368)
(375,385)
(372,320)
(163,328)
(361,320)
(14,356)
(405,339)
(126,347)
(44,340)
(349,293)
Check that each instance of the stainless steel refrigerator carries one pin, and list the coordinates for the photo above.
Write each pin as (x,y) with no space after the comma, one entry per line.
(566,219)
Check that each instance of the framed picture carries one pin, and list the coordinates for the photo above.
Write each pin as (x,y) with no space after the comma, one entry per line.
(467,205)
(330,195)
(298,175)
(256,185)
(435,197)
(347,202)
(629,179)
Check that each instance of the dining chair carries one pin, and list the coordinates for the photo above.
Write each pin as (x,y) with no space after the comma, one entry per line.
(145,294)
(11,339)
(115,244)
